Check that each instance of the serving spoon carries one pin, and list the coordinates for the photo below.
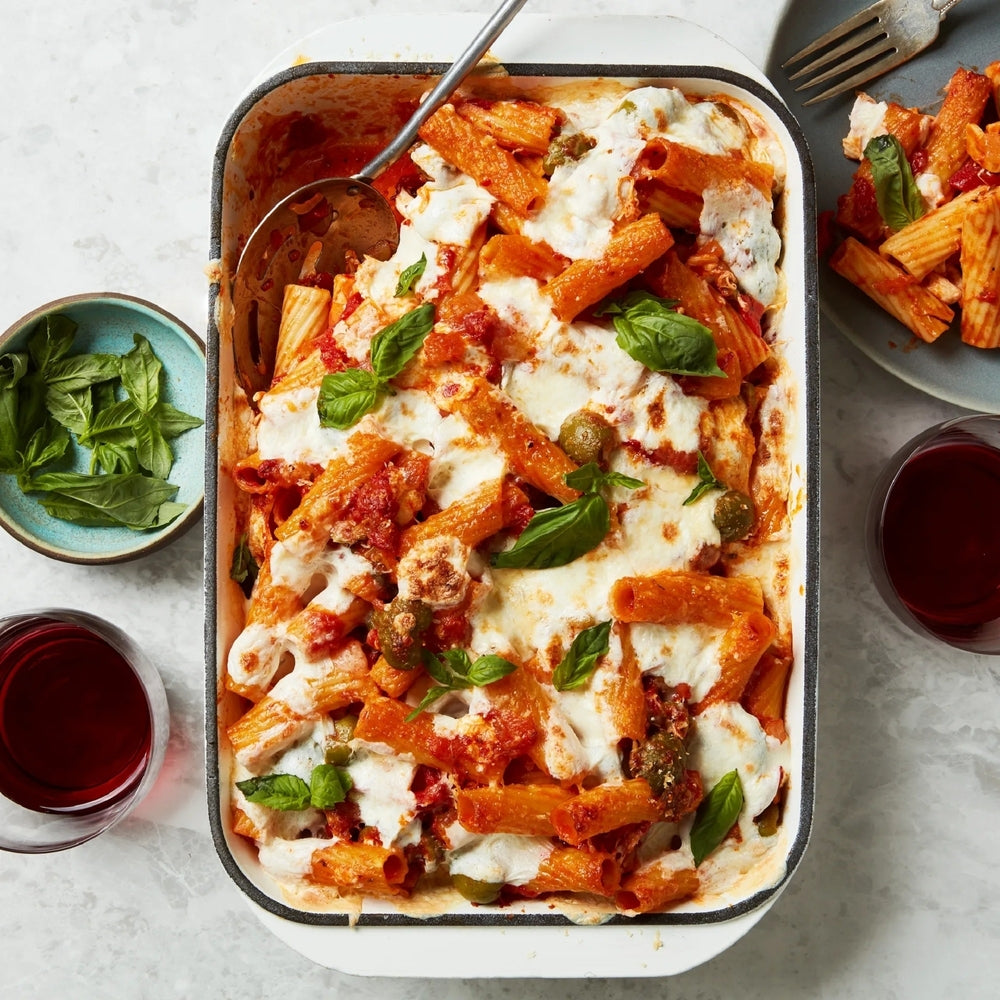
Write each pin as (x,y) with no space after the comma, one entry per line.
(337,214)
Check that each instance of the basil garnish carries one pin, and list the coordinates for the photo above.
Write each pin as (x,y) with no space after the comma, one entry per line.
(244,569)
(558,535)
(346,396)
(652,332)
(896,193)
(48,394)
(455,670)
(409,276)
(578,664)
(328,785)
(706,481)
(716,815)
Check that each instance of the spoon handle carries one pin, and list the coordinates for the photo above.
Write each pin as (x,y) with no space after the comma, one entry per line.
(444,88)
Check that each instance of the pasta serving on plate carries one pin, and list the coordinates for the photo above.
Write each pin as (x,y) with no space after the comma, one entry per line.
(515,525)
(922,215)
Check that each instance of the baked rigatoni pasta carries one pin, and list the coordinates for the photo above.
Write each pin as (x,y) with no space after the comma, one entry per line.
(914,231)
(517,623)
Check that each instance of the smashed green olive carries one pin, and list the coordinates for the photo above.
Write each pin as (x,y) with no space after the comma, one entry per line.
(733,515)
(337,750)
(768,821)
(565,148)
(338,754)
(585,437)
(400,626)
(475,891)
(661,760)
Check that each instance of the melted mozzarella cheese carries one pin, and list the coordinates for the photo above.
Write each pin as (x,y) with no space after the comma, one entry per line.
(727,737)
(381,790)
(739,218)
(867,120)
(498,858)
(450,207)
(680,654)
(291,858)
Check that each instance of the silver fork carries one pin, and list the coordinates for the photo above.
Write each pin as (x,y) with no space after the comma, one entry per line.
(872,42)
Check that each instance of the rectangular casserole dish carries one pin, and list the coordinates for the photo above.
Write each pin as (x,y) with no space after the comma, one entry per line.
(279,138)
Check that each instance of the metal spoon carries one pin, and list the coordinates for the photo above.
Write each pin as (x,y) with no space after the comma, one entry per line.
(343,213)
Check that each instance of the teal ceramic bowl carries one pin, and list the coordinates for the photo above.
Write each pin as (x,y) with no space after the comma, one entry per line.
(106,323)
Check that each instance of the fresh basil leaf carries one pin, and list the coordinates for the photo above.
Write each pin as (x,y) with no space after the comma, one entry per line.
(51,340)
(896,193)
(716,815)
(488,669)
(169,511)
(113,424)
(436,668)
(103,396)
(113,458)
(328,786)
(9,435)
(393,348)
(130,500)
(620,479)
(428,699)
(140,374)
(410,276)
(13,367)
(244,569)
(276,791)
(590,478)
(454,670)
(173,422)
(46,445)
(31,412)
(664,340)
(706,481)
(151,448)
(80,371)
(346,396)
(74,409)
(558,535)
(581,658)
(458,663)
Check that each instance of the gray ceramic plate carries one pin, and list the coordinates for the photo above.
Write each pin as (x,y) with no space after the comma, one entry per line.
(970,37)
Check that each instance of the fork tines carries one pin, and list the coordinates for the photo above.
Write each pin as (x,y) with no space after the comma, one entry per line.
(859,43)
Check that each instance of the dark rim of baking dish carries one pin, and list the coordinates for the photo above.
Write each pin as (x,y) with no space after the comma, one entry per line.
(811,412)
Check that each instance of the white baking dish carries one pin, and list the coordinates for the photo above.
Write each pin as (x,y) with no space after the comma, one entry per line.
(252,172)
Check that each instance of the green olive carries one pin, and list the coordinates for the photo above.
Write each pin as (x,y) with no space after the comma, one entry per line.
(475,891)
(769,820)
(338,754)
(661,760)
(734,515)
(585,437)
(343,728)
(400,626)
(337,750)
(566,148)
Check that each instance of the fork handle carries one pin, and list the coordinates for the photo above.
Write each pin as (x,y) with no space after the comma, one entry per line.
(943,6)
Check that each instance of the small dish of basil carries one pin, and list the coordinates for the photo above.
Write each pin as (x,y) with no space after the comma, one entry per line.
(102,409)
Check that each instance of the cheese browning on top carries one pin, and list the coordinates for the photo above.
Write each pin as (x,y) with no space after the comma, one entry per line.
(469,660)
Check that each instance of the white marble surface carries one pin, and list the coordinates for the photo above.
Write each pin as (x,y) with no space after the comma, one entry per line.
(106,143)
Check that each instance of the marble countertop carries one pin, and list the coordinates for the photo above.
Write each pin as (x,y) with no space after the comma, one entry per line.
(106,145)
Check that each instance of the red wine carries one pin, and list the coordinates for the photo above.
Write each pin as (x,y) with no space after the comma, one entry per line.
(941,535)
(75,724)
